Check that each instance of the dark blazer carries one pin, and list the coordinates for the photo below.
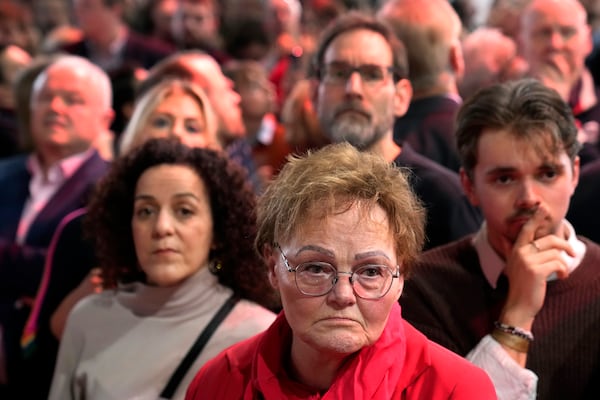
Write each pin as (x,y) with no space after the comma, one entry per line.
(450,215)
(138,50)
(70,257)
(21,266)
(9,133)
(428,126)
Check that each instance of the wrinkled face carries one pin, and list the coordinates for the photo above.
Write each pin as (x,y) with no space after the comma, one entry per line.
(355,110)
(67,110)
(179,115)
(195,23)
(556,39)
(338,323)
(511,180)
(172,224)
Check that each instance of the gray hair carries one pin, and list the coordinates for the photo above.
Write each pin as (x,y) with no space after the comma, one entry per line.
(95,74)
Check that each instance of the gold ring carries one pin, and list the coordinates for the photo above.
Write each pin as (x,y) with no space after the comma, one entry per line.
(535,246)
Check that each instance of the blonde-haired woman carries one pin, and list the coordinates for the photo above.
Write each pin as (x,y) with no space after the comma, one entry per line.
(173,108)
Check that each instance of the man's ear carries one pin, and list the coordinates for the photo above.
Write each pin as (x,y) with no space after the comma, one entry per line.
(270,257)
(107,118)
(313,90)
(576,169)
(457,60)
(589,40)
(468,187)
(402,97)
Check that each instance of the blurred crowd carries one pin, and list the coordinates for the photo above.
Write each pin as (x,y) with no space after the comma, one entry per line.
(87,87)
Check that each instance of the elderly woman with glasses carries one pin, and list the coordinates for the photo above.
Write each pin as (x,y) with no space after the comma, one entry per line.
(339,231)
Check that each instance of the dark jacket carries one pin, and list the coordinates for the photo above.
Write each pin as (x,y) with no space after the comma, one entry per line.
(21,266)
(138,50)
(450,215)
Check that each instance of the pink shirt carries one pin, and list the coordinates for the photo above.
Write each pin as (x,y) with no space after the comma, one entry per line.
(44,184)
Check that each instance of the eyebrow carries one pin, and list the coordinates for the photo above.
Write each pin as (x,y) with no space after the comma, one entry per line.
(177,195)
(373,253)
(500,170)
(318,249)
(329,253)
(507,170)
(554,166)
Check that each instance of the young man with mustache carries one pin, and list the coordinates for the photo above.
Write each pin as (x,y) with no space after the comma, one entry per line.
(521,298)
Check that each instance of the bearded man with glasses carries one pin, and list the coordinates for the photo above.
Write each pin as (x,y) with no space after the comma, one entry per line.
(360,88)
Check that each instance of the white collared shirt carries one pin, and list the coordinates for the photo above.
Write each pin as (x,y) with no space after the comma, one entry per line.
(266,132)
(493,265)
(44,184)
(512,382)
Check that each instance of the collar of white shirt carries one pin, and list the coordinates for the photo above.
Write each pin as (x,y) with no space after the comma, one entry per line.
(493,265)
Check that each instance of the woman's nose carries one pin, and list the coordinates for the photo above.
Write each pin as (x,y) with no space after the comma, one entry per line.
(343,291)
(164,224)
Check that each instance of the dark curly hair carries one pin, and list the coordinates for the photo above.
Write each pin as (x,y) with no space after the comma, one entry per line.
(232,204)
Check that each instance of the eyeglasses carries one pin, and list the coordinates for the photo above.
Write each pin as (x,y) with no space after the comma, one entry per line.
(315,278)
(338,73)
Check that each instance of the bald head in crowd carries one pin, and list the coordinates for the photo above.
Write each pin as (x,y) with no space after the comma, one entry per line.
(555,39)
(490,57)
(71,108)
(430,30)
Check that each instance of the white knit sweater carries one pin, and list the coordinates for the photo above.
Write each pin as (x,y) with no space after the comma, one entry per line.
(125,344)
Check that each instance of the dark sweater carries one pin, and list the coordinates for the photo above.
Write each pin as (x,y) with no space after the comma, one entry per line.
(449,299)
(450,216)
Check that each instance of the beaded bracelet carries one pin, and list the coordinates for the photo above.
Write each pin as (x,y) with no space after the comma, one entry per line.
(513,330)
(514,342)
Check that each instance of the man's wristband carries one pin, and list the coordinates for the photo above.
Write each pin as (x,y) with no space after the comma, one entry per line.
(514,342)
(512,337)
(513,330)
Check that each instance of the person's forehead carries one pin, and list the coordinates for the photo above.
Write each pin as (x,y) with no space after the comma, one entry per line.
(185,102)
(506,147)
(80,3)
(175,176)
(64,77)
(564,12)
(196,7)
(203,65)
(363,43)
(328,212)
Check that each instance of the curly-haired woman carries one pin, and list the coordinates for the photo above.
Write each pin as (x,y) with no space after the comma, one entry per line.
(174,230)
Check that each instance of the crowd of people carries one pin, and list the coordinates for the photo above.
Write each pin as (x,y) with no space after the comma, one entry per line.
(294,199)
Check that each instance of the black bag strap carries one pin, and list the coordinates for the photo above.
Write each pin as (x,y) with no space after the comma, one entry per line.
(197,347)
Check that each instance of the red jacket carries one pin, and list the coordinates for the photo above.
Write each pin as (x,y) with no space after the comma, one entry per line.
(401,365)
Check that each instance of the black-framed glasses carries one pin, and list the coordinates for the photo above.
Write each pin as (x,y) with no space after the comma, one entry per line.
(317,278)
(338,73)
